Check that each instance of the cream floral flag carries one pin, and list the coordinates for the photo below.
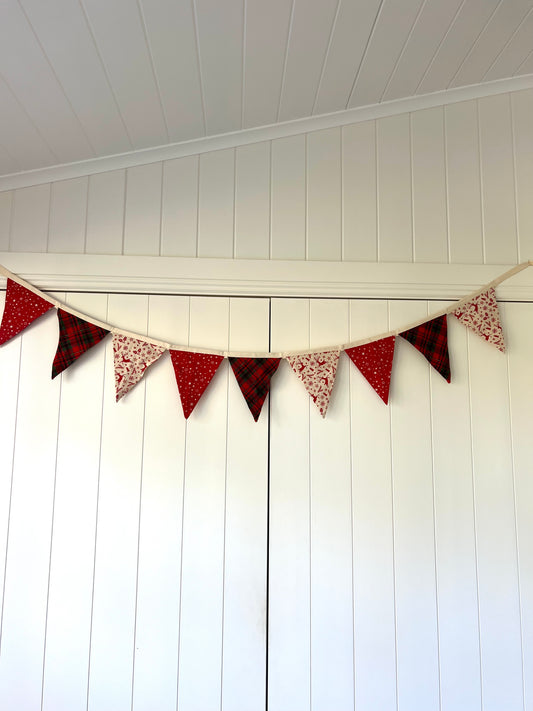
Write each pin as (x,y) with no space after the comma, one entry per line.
(317,372)
(132,357)
(482,316)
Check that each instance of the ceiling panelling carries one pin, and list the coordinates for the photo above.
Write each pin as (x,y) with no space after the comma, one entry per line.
(82,79)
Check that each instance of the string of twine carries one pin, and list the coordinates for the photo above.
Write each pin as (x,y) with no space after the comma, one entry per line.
(265,354)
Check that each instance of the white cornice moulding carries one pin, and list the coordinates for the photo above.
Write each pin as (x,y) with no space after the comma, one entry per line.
(263,133)
(236,277)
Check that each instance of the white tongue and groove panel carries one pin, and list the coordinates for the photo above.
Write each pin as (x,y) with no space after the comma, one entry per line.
(438,185)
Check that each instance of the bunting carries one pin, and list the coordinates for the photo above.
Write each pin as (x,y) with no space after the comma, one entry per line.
(253,376)
(431,339)
(374,361)
(317,372)
(194,372)
(21,309)
(482,316)
(132,357)
(75,338)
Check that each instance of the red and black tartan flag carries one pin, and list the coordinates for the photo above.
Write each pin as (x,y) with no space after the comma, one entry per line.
(431,339)
(75,337)
(253,376)
(22,308)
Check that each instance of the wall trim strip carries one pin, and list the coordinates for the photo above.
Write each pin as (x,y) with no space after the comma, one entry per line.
(242,277)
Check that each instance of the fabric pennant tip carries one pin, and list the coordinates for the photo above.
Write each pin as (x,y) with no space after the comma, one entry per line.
(317,372)
(132,356)
(431,339)
(374,361)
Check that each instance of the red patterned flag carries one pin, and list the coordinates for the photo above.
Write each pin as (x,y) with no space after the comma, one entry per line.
(482,316)
(374,360)
(317,372)
(194,372)
(132,358)
(22,308)
(431,339)
(75,338)
(253,376)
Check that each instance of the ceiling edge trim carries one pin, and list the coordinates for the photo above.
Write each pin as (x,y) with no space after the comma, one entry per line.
(260,278)
(262,133)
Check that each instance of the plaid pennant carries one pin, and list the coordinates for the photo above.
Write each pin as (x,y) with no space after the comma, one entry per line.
(482,316)
(75,338)
(132,357)
(22,308)
(253,376)
(374,361)
(317,372)
(431,339)
(194,372)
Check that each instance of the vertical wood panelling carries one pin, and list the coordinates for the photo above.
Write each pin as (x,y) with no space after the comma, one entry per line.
(142,219)
(6,202)
(117,527)
(331,621)
(245,533)
(68,628)
(31,520)
(160,524)
(359,195)
(499,611)
(68,216)
(9,384)
(520,344)
(395,238)
(179,207)
(202,561)
(465,222)
(252,202)
(414,540)
(522,112)
(29,222)
(373,553)
(105,213)
(430,229)
(497,180)
(455,543)
(289,559)
(216,204)
(324,195)
(288,191)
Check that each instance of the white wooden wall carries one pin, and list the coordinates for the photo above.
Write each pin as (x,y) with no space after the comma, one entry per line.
(447,184)
(133,545)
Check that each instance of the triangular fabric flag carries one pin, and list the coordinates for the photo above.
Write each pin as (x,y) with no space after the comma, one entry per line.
(431,339)
(374,360)
(194,372)
(482,316)
(253,376)
(132,357)
(22,308)
(75,338)
(317,372)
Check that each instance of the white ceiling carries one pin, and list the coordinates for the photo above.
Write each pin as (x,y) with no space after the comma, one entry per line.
(80,79)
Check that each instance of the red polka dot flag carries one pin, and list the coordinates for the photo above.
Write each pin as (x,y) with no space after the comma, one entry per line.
(194,372)
(22,308)
(374,361)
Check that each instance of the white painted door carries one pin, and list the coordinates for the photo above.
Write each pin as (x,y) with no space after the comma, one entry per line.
(133,543)
(401,554)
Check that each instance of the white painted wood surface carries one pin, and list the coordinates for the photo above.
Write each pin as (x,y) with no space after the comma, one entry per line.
(135,556)
(441,185)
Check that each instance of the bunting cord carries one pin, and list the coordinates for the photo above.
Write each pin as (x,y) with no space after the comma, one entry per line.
(253,354)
